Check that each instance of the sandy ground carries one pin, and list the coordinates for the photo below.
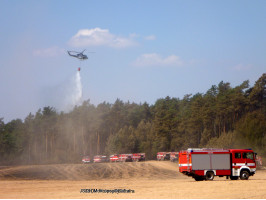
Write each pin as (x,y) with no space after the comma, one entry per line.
(150,179)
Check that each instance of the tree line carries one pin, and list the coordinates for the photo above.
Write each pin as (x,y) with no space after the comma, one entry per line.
(222,117)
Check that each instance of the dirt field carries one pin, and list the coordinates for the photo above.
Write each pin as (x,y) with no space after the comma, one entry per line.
(150,179)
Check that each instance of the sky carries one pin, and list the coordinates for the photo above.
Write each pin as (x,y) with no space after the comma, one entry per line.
(143,50)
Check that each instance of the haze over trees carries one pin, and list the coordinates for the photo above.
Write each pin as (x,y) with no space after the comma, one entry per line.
(222,117)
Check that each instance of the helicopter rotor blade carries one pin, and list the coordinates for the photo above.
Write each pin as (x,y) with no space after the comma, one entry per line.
(74,51)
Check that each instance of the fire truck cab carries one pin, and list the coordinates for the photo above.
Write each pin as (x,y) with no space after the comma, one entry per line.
(204,164)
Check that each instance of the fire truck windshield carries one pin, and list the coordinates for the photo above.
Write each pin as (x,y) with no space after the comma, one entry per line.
(248,155)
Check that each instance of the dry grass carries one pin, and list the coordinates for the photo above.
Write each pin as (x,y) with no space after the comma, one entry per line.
(148,179)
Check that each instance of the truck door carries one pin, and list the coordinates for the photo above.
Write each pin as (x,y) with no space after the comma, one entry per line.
(248,158)
(237,162)
(237,158)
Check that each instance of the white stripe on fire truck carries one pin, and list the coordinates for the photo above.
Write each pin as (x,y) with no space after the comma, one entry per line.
(251,164)
(243,164)
(236,164)
(183,165)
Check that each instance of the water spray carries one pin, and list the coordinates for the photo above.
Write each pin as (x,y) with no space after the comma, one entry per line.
(77,94)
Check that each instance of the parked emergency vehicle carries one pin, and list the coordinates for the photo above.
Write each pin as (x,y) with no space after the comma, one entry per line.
(125,157)
(174,156)
(86,159)
(204,164)
(114,158)
(163,156)
(99,158)
(138,157)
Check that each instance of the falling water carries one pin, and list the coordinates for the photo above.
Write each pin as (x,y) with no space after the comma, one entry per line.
(77,90)
(66,95)
(73,93)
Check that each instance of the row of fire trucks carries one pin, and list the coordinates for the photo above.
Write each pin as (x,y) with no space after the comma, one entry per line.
(200,163)
(172,156)
(135,157)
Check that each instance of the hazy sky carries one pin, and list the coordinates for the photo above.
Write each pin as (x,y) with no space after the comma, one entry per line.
(145,50)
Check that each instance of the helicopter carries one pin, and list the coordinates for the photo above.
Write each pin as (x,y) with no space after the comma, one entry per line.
(78,55)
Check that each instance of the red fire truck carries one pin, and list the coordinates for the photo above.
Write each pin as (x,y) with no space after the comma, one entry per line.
(163,156)
(99,159)
(86,159)
(125,158)
(138,157)
(204,164)
(114,158)
(174,156)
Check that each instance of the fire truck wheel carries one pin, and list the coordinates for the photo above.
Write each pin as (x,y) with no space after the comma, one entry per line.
(209,176)
(244,175)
